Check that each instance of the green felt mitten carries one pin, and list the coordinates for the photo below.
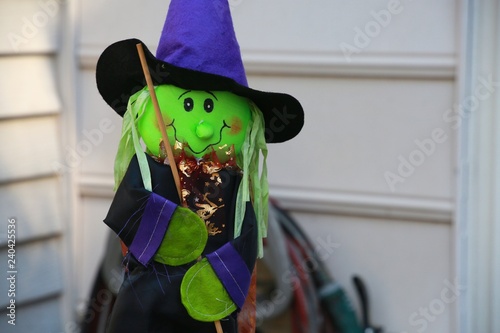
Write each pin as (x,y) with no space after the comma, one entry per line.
(203,294)
(184,240)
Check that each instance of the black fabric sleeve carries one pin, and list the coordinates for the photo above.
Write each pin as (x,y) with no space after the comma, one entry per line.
(130,199)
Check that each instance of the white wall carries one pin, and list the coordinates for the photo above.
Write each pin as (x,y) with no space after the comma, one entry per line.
(364,113)
(31,190)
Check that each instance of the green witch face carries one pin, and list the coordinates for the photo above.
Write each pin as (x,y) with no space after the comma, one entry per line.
(200,120)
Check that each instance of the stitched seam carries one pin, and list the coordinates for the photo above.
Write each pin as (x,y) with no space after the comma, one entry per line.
(154,230)
(200,233)
(241,291)
(189,301)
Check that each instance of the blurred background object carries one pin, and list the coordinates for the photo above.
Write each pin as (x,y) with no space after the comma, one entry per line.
(295,292)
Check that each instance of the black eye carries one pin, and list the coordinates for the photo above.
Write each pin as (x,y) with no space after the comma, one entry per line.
(188,104)
(209,105)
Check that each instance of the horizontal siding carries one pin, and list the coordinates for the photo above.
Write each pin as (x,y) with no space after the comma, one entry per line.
(35,205)
(30,190)
(419,27)
(94,235)
(30,87)
(31,149)
(404,265)
(39,273)
(356,131)
(37,318)
(29,26)
(274,63)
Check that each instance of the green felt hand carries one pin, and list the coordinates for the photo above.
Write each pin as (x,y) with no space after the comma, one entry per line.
(184,240)
(203,294)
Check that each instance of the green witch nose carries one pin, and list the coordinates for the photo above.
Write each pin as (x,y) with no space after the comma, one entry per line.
(204,130)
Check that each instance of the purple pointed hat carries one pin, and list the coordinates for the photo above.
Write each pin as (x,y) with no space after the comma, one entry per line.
(198,50)
(207,44)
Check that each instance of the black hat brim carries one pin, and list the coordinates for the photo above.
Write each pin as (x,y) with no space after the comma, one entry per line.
(119,75)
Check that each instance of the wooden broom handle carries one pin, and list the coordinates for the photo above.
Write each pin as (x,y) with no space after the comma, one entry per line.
(159,119)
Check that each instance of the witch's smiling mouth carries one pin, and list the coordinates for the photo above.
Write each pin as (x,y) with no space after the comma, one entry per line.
(224,125)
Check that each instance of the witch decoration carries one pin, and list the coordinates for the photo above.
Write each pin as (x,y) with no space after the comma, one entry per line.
(190,210)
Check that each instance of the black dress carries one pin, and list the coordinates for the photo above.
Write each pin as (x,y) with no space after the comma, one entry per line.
(149,299)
